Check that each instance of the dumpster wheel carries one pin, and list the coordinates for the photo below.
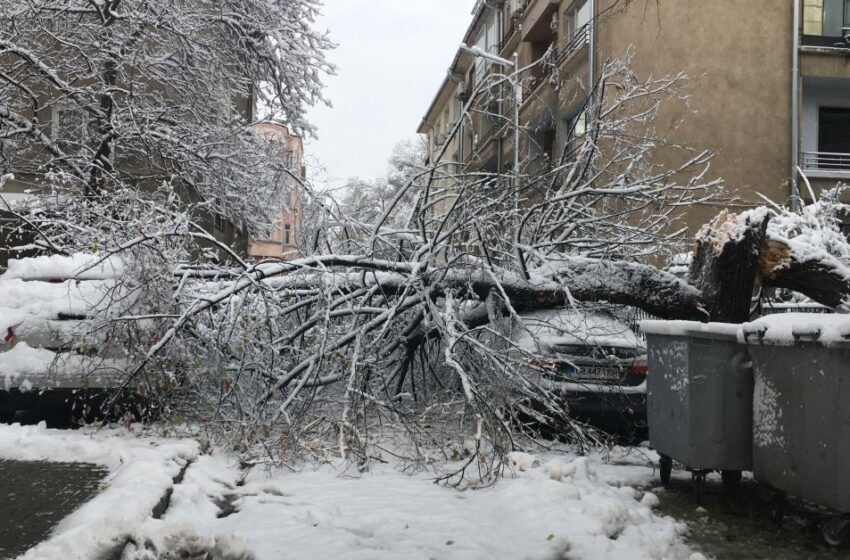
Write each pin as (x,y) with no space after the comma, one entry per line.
(836,532)
(698,478)
(666,468)
(731,482)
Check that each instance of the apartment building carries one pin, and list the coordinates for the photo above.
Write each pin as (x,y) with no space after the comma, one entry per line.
(281,244)
(768,87)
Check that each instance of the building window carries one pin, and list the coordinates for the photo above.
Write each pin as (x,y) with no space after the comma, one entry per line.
(834,137)
(73,128)
(488,41)
(826,18)
(578,17)
(579,124)
(287,234)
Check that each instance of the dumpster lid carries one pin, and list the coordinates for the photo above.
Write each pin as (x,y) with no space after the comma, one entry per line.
(690,328)
(787,329)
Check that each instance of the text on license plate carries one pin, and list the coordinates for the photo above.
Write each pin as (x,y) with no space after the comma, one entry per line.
(596,372)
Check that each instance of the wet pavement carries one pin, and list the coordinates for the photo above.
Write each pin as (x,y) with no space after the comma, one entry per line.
(36,496)
(741,527)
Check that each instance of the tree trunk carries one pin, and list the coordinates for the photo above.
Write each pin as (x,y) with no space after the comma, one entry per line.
(726,264)
(818,276)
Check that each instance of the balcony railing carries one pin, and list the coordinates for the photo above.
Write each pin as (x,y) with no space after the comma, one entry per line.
(580,38)
(511,31)
(827,162)
(576,42)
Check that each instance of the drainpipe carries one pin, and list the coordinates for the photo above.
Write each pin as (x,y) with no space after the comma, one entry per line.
(795,111)
(591,75)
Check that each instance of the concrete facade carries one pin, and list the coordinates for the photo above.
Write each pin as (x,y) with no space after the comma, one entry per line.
(739,59)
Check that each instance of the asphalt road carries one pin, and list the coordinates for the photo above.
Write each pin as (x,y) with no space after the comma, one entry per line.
(741,528)
(39,495)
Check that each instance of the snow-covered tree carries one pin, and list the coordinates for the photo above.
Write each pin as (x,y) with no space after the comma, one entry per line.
(365,200)
(129,106)
(410,318)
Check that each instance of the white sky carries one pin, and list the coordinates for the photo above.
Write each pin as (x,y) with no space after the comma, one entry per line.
(392,57)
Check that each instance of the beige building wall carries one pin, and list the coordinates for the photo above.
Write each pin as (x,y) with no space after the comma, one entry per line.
(737,54)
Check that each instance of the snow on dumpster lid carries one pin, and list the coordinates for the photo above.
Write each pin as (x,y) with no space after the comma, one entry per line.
(78,266)
(789,328)
(684,328)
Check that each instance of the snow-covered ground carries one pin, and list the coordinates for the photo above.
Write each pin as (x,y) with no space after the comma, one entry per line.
(552,506)
(141,470)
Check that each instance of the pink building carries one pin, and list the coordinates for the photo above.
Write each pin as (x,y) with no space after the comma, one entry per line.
(282,244)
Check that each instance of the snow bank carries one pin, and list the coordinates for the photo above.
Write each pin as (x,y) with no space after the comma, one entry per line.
(547,507)
(79,266)
(684,328)
(141,470)
(787,328)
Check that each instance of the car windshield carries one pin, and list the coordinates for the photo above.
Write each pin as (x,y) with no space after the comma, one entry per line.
(568,330)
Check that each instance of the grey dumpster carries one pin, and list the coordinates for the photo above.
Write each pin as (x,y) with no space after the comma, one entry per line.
(699,395)
(801,412)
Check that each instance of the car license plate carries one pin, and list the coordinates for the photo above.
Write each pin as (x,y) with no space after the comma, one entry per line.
(598,373)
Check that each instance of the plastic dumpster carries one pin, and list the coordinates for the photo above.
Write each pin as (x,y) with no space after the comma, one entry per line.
(699,398)
(801,411)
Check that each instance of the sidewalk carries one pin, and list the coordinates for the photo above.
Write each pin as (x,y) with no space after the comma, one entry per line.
(37,496)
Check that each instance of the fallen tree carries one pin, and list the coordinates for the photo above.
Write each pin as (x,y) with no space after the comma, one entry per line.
(413,320)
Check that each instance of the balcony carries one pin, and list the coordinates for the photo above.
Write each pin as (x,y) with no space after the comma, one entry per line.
(826,23)
(547,66)
(512,29)
(826,164)
(580,38)
(826,127)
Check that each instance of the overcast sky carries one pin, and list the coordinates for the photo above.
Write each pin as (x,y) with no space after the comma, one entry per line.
(392,57)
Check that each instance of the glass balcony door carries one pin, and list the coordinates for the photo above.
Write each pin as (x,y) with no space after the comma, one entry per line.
(826,18)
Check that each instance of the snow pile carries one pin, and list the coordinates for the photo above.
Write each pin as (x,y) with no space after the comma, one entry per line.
(785,329)
(59,267)
(141,470)
(545,508)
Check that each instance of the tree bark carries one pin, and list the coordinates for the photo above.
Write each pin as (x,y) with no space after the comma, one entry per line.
(726,264)
(818,276)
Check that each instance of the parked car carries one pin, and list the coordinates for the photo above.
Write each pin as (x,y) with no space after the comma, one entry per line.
(595,364)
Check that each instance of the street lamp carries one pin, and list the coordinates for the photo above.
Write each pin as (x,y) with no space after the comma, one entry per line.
(515,81)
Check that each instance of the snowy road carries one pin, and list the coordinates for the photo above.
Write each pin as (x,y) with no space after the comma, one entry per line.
(741,528)
(38,495)
(555,505)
